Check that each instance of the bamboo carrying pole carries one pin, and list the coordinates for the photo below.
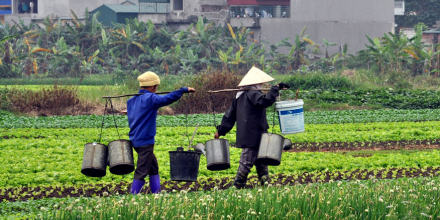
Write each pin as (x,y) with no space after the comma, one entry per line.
(235,90)
(137,94)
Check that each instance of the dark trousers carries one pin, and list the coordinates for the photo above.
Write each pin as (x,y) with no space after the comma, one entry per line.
(248,159)
(146,163)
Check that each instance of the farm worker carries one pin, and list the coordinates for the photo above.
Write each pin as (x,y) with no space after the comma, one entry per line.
(248,110)
(141,113)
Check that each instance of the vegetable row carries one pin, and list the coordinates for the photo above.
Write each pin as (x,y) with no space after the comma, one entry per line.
(8,120)
(54,156)
(391,199)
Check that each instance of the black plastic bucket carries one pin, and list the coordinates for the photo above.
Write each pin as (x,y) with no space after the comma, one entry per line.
(184,165)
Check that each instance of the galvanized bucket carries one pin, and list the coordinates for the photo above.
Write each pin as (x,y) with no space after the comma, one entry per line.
(287,144)
(217,154)
(94,160)
(271,148)
(120,157)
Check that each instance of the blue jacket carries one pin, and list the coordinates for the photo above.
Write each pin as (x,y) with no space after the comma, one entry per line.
(142,112)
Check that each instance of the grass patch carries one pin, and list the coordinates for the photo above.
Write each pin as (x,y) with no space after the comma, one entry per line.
(36,80)
(371,199)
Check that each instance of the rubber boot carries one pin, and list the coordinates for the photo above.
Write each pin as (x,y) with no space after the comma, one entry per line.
(240,180)
(263,176)
(136,186)
(155,183)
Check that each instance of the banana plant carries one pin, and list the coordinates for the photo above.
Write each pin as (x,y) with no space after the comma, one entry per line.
(66,59)
(205,39)
(299,55)
(326,45)
(431,55)
(237,60)
(332,60)
(88,64)
(128,41)
(224,58)
(377,51)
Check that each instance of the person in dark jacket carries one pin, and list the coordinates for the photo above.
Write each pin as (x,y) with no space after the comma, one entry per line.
(142,112)
(248,110)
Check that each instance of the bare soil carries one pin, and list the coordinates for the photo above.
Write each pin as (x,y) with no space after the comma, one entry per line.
(26,193)
(370,146)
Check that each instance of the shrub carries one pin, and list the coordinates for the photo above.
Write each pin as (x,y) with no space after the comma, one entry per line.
(202,101)
(8,71)
(56,100)
(319,81)
(4,101)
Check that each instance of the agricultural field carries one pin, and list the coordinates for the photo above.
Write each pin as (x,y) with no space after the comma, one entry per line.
(347,164)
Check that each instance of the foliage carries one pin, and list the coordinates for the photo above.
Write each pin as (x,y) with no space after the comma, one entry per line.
(55,155)
(52,99)
(416,11)
(202,101)
(77,48)
(318,81)
(396,52)
(399,199)
(386,98)
(9,121)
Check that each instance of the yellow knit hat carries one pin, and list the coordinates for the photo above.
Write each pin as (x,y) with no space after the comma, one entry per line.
(148,79)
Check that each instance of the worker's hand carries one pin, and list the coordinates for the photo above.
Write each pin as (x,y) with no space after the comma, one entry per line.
(216,136)
(124,111)
(190,90)
(283,86)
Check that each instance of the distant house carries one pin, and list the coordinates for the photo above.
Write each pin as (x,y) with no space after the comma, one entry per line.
(112,13)
(128,3)
(339,21)
(432,36)
(37,10)
(5,8)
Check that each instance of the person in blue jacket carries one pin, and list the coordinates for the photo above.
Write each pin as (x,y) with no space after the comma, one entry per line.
(141,113)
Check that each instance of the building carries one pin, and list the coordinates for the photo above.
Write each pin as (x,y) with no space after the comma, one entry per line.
(5,8)
(182,12)
(116,13)
(432,37)
(339,21)
(37,10)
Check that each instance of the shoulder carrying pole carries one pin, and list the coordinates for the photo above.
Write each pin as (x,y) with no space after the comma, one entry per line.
(137,94)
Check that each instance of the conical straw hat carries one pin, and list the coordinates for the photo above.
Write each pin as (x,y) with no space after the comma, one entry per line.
(255,76)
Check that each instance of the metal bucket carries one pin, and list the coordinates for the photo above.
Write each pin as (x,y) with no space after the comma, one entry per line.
(287,144)
(120,157)
(94,160)
(217,154)
(271,148)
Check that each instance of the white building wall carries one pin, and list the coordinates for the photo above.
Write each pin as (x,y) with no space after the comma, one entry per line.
(340,21)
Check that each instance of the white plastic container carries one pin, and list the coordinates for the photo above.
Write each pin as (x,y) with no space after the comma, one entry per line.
(291,116)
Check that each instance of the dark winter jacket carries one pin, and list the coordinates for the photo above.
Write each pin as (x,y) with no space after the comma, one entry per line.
(249,111)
